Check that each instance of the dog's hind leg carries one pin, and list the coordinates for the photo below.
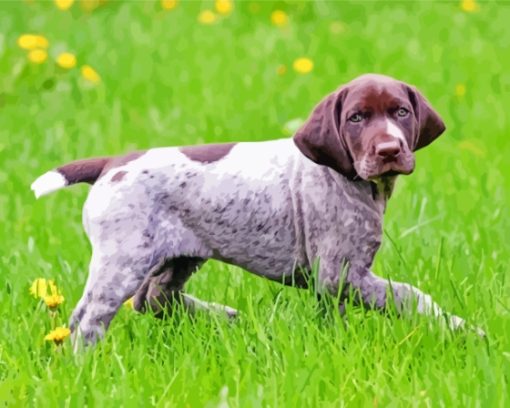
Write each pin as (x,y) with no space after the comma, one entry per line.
(162,291)
(193,305)
(113,278)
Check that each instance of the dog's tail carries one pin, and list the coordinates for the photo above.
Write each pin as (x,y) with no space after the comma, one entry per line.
(81,171)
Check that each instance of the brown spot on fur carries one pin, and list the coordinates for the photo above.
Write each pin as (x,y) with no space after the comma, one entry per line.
(89,170)
(120,161)
(118,176)
(83,171)
(207,153)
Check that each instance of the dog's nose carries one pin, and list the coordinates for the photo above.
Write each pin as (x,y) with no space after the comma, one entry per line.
(388,149)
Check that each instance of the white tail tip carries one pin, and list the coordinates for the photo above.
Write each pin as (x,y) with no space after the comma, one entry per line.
(47,183)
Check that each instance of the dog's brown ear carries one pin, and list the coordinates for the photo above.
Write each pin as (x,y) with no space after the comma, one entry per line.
(320,138)
(430,125)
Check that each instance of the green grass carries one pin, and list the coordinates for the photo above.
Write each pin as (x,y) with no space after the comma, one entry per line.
(168,80)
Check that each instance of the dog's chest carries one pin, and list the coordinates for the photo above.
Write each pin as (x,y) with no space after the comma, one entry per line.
(340,218)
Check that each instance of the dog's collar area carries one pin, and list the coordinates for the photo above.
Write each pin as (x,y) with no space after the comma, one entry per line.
(382,186)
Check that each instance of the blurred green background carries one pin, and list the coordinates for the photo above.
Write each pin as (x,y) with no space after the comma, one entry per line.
(106,77)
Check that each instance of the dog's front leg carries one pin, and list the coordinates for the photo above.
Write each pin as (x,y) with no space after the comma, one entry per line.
(375,292)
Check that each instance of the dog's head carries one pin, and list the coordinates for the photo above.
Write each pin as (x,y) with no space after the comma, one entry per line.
(370,128)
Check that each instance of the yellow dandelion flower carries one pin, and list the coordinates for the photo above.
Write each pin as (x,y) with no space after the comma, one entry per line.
(90,74)
(37,56)
(206,17)
(224,7)
(32,41)
(460,90)
(279,18)
(129,303)
(41,288)
(64,4)
(303,65)
(58,335)
(53,301)
(168,4)
(66,60)
(281,70)
(469,6)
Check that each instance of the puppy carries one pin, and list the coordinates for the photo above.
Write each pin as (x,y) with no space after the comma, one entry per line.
(273,208)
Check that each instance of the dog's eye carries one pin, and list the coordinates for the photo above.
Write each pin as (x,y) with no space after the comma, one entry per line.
(357,117)
(402,112)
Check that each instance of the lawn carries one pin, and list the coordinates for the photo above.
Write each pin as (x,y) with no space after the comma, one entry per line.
(178,76)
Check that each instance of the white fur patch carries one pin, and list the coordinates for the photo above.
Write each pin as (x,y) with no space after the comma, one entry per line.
(47,183)
(394,131)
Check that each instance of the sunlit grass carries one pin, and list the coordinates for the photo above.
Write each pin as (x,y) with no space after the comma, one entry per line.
(153,74)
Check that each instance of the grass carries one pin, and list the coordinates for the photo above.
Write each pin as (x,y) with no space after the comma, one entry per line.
(166,79)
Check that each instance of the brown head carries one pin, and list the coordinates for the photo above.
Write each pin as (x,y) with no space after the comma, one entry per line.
(369,128)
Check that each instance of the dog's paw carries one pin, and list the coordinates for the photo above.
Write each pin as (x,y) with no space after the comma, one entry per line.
(457,323)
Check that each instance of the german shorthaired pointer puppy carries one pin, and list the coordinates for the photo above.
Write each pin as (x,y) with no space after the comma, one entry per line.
(273,208)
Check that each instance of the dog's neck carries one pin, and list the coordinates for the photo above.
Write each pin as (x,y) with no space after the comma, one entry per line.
(375,192)
(382,187)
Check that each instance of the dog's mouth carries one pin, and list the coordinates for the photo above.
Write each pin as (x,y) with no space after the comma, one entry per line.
(391,173)
(371,168)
